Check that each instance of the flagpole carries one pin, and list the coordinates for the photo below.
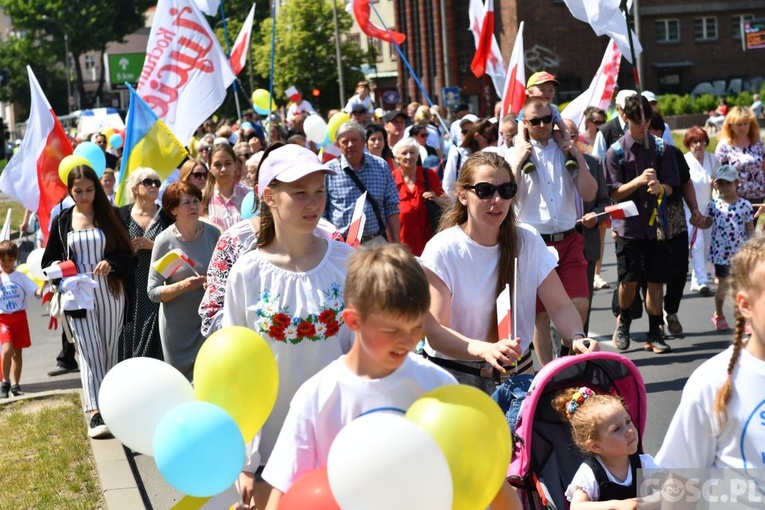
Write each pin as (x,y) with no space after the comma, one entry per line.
(635,71)
(273,54)
(338,54)
(228,54)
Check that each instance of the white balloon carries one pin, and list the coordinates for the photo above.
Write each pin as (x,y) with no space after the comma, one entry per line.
(382,460)
(315,129)
(34,263)
(134,397)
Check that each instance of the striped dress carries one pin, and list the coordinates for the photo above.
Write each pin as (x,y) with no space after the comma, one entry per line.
(96,336)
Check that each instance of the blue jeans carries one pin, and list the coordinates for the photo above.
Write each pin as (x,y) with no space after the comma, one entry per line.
(510,395)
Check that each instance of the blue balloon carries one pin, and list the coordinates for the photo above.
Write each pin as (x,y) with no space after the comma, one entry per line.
(115,141)
(199,449)
(94,154)
(248,206)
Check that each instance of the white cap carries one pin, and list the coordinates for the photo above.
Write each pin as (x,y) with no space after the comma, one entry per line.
(468,118)
(650,96)
(288,164)
(622,96)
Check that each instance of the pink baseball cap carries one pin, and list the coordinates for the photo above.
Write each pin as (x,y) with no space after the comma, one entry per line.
(288,164)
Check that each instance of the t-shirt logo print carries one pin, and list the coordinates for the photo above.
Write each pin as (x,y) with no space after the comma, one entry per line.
(282,326)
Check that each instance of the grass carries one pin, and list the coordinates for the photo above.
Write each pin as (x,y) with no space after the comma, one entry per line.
(17,213)
(46,458)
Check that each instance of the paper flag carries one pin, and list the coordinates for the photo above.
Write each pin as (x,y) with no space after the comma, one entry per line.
(356,230)
(622,210)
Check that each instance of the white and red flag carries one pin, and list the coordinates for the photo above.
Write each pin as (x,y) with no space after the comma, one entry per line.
(31,176)
(601,88)
(514,92)
(242,44)
(361,10)
(486,43)
(356,230)
(185,74)
(504,315)
(606,18)
(622,210)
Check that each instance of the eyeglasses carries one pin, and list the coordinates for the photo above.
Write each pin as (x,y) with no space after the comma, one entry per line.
(424,136)
(464,131)
(598,122)
(152,182)
(245,155)
(547,119)
(199,175)
(200,149)
(486,190)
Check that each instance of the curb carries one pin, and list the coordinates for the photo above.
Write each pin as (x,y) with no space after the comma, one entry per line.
(118,485)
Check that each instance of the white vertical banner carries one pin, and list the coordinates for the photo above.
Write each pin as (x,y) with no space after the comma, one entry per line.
(186,73)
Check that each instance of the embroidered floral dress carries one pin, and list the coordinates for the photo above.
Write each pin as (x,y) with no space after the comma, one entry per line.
(298,314)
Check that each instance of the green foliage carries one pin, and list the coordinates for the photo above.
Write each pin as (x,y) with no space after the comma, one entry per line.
(673,104)
(706,102)
(305,52)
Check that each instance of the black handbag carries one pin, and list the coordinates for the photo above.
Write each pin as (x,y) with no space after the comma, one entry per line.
(432,209)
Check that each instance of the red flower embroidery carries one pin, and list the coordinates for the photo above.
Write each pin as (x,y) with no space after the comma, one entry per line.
(326,316)
(281,320)
(306,329)
(332,328)
(276,333)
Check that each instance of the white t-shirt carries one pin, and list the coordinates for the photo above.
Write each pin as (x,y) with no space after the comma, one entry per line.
(298,314)
(356,100)
(469,270)
(694,439)
(585,479)
(701,177)
(333,398)
(302,108)
(14,289)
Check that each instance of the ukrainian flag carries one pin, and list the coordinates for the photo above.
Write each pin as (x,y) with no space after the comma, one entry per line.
(148,143)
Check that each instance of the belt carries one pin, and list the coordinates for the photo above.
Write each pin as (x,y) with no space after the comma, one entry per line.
(367,237)
(487,372)
(557,237)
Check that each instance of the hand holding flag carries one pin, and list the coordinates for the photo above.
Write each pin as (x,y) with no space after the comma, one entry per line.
(173,260)
(619,211)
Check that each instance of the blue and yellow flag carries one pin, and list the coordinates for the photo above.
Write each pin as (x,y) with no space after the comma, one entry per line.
(148,143)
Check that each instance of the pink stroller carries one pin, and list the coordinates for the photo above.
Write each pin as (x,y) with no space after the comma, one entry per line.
(545,457)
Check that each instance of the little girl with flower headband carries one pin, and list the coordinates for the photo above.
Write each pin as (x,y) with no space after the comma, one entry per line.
(602,428)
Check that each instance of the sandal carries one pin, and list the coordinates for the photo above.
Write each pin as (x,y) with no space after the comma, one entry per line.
(720,323)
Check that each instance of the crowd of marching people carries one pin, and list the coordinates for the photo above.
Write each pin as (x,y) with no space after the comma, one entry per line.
(265,223)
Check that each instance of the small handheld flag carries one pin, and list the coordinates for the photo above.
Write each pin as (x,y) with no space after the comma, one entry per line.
(622,210)
(63,269)
(504,315)
(292,93)
(356,230)
(174,260)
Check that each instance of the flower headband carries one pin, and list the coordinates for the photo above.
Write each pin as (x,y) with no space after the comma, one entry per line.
(578,398)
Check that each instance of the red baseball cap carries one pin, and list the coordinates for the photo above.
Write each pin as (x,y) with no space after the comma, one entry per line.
(541,77)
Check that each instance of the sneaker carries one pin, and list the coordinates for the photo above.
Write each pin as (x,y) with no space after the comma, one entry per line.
(656,344)
(720,323)
(705,291)
(528,167)
(673,325)
(622,336)
(98,428)
(599,283)
(5,389)
(16,390)
(59,370)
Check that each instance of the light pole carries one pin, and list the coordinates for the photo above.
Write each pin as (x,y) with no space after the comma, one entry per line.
(66,61)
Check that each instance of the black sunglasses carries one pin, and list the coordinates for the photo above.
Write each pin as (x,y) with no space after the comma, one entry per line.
(199,175)
(464,131)
(152,182)
(486,190)
(547,119)
(598,122)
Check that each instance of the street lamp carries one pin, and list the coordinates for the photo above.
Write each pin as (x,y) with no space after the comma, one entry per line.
(45,17)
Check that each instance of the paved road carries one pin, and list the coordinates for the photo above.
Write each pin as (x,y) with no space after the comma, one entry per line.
(664,375)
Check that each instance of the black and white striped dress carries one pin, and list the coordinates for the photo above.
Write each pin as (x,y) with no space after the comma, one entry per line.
(96,336)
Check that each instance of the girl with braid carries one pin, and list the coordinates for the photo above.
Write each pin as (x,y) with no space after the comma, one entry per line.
(720,421)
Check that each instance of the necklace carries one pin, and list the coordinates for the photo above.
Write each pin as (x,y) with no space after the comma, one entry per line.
(180,236)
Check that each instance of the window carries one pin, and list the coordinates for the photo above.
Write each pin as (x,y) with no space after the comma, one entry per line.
(705,29)
(737,21)
(91,62)
(667,30)
(376,45)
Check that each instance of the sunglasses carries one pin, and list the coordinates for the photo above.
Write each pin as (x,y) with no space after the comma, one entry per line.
(152,182)
(598,122)
(486,190)
(547,119)
(200,149)
(464,131)
(199,175)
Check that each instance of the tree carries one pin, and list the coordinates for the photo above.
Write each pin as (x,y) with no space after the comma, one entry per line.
(89,24)
(305,51)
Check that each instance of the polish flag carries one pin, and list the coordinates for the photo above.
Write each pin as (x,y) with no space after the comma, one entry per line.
(31,176)
(622,210)
(361,10)
(242,44)
(495,66)
(292,93)
(504,315)
(356,230)
(601,88)
(483,48)
(514,94)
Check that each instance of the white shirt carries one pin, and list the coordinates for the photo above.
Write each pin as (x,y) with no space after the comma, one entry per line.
(585,479)
(547,196)
(301,108)
(599,144)
(694,438)
(259,294)
(469,270)
(333,398)
(455,160)
(701,177)
(14,289)
(355,100)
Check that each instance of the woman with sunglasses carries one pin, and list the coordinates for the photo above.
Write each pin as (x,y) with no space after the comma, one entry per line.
(180,293)
(482,134)
(144,220)
(195,172)
(469,263)
(594,117)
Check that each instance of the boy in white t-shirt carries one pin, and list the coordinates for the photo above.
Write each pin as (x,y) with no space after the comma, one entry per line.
(387,299)
(14,328)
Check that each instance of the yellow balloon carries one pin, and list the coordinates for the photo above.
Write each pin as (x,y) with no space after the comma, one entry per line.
(335,122)
(472,432)
(108,132)
(70,162)
(236,370)
(24,269)
(261,101)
